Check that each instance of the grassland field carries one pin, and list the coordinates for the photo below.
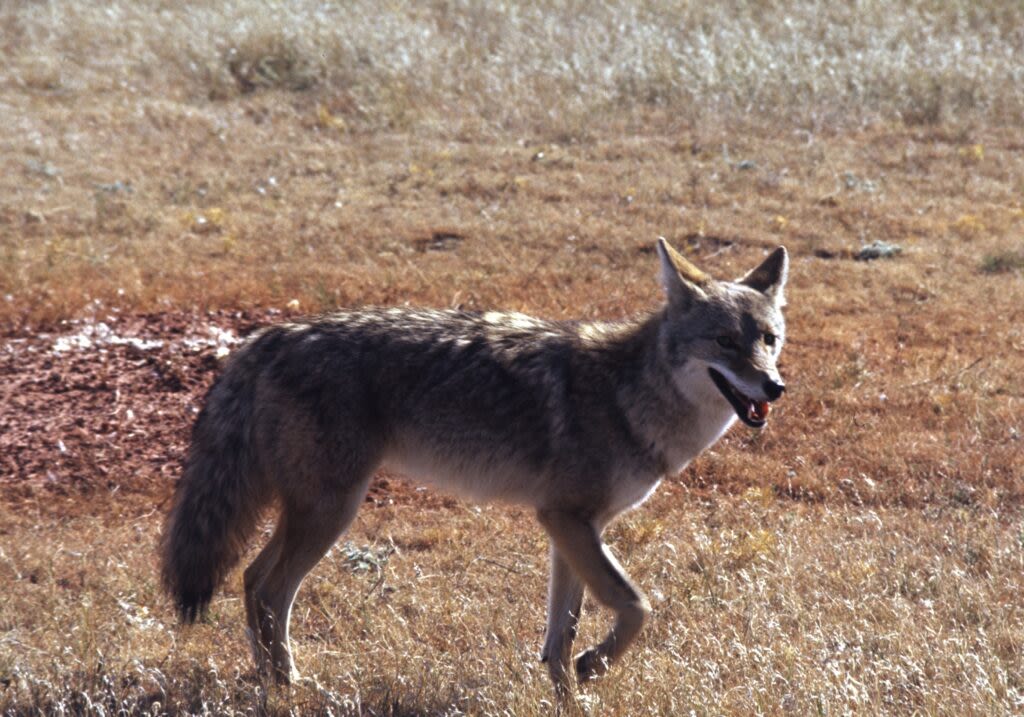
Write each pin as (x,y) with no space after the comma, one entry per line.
(180,175)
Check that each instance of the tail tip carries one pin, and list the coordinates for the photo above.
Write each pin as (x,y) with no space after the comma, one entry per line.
(192,607)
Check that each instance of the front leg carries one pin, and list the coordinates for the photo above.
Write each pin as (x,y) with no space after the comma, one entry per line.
(565,598)
(579,543)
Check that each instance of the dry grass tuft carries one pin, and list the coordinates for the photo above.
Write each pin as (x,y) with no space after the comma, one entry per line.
(1002,262)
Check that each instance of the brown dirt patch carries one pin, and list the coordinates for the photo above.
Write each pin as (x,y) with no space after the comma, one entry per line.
(98,410)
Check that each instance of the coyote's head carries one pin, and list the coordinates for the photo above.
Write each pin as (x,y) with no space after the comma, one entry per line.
(727,333)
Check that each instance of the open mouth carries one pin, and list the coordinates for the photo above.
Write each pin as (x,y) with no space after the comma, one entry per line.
(753,413)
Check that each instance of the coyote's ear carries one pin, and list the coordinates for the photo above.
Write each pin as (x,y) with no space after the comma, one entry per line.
(681,279)
(770,277)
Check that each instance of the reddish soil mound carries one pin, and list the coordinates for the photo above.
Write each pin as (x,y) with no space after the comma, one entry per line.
(102,407)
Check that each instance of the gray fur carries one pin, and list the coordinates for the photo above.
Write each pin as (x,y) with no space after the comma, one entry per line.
(577,420)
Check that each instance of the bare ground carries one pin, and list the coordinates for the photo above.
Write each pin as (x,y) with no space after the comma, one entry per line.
(97,411)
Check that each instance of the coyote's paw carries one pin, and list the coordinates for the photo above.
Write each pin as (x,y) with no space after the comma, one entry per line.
(287,675)
(589,664)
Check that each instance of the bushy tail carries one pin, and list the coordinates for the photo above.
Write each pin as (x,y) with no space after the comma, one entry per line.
(218,500)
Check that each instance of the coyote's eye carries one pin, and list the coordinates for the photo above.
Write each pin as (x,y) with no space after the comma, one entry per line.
(769,339)
(728,342)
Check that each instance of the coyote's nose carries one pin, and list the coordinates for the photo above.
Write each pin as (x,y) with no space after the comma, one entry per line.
(773,389)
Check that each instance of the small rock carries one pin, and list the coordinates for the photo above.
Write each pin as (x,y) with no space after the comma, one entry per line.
(42,168)
(852,181)
(117,187)
(878,250)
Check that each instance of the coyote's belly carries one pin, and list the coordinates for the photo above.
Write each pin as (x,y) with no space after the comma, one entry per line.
(469,472)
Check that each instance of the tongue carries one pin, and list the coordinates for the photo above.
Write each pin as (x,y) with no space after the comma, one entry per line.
(757,410)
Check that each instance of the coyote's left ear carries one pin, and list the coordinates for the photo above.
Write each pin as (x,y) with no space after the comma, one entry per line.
(770,277)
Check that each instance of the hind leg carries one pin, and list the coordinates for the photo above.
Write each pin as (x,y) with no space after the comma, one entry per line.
(304,535)
(257,621)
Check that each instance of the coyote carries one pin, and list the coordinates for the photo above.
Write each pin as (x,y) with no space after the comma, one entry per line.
(578,420)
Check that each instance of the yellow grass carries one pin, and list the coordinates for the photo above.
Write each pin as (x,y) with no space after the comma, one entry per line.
(863,555)
(760,607)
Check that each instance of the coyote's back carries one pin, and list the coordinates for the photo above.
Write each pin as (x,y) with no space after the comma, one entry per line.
(577,420)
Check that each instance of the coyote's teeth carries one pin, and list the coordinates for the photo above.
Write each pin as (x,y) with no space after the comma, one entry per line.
(758,410)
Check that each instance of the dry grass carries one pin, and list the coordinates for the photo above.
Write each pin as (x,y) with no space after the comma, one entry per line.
(862,555)
(531,130)
(554,65)
(761,607)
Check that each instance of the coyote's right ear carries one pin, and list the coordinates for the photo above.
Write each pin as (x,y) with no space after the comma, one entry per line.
(682,281)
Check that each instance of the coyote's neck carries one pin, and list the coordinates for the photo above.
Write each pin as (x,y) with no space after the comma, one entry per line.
(675,412)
